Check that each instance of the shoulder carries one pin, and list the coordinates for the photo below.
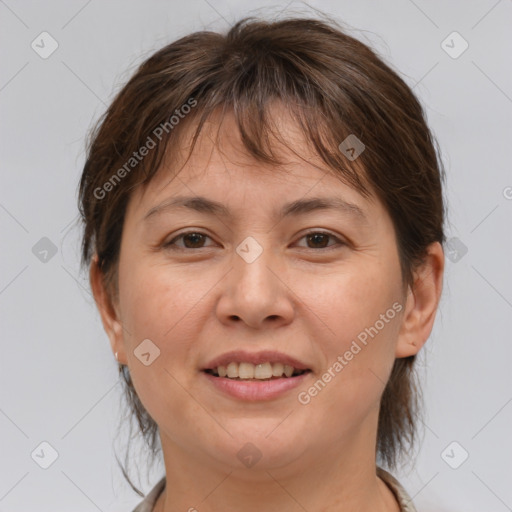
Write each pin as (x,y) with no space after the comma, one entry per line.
(147,504)
(403,498)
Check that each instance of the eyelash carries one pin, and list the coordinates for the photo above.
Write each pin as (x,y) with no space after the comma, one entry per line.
(172,246)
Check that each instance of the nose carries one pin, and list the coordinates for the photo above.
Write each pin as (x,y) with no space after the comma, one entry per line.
(256,292)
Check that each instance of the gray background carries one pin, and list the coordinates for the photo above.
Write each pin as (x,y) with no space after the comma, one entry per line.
(59,380)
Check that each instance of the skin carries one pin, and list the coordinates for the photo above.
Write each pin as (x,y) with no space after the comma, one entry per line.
(298,297)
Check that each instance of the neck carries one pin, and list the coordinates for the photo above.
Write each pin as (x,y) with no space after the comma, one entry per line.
(342,480)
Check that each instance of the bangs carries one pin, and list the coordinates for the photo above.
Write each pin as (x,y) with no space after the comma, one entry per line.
(249,87)
(259,134)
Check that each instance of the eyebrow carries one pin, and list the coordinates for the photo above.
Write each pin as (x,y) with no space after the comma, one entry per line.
(294,208)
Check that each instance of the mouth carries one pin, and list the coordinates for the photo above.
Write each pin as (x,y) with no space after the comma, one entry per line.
(254,385)
(255,376)
(265,364)
(259,372)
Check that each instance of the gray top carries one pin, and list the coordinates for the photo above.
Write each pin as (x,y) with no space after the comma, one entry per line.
(402,497)
(147,504)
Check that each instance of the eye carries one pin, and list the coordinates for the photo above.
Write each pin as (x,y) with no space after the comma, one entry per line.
(191,239)
(195,240)
(319,239)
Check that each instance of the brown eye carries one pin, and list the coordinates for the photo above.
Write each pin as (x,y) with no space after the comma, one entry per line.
(191,240)
(320,239)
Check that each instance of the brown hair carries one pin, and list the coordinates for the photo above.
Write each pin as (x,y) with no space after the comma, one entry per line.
(334,86)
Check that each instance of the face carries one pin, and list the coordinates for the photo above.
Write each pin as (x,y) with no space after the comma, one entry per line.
(321,285)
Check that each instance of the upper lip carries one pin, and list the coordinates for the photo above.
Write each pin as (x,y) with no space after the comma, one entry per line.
(264,356)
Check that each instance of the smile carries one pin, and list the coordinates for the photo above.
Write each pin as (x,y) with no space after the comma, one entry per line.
(255,389)
(262,371)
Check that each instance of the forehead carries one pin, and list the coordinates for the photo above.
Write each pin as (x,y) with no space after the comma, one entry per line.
(220,164)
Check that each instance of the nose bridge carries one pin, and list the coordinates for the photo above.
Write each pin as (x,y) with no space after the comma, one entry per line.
(254,292)
(251,265)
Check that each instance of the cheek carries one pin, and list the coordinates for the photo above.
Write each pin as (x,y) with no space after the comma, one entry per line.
(357,314)
(157,301)
(158,305)
(357,347)
(349,302)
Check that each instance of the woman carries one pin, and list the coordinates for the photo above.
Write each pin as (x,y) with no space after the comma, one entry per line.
(263,225)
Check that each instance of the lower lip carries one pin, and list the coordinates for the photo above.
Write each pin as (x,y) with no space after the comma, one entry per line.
(253,390)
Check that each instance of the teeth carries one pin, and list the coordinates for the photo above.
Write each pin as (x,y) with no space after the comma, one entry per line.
(288,370)
(263,371)
(251,371)
(277,369)
(246,371)
(232,370)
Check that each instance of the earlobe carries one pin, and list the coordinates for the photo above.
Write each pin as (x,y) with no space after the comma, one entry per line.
(108,312)
(422,303)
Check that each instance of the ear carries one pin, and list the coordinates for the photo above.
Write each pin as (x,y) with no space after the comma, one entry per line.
(421,304)
(109,312)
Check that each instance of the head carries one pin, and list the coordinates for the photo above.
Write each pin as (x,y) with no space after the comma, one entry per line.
(268,114)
